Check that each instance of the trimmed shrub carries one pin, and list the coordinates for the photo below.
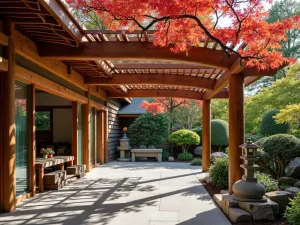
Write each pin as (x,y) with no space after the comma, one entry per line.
(253,137)
(185,156)
(292,212)
(165,155)
(268,181)
(282,148)
(149,129)
(196,162)
(219,172)
(219,133)
(198,130)
(184,138)
(261,142)
(269,126)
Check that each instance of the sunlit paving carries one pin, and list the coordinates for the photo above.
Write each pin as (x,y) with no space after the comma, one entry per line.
(124,193)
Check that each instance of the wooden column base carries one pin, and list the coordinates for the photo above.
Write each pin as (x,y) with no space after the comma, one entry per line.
(206,135)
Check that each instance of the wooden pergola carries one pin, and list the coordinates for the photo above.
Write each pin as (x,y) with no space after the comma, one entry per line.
(123,64)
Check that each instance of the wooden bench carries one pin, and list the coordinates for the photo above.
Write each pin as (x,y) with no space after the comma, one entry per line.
(55,180)
(146,153)
(76,170)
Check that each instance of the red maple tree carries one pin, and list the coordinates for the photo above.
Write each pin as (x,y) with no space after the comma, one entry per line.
(182,25)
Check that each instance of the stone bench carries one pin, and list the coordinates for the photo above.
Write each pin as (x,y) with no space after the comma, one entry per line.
(55,180)
(157,153)
(76,170)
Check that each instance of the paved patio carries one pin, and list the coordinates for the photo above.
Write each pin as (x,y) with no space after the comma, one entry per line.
(125,194)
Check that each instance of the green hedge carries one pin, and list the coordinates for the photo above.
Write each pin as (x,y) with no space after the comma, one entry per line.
(219,132)
(219,172)
(269,126)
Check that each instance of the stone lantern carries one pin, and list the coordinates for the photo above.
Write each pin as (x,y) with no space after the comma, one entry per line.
(124,147)
(248,189)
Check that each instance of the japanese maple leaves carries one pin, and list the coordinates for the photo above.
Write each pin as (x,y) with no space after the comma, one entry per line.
(189,23)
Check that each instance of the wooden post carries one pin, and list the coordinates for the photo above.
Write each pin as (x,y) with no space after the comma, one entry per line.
(86,133)
(100,137)
(106,136)
(1,143)
(236,127)
(206,135)
(8,148)
(95,135)
(32,143)
(75,132)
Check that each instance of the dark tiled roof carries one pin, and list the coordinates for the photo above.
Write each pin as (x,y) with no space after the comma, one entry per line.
(134,107)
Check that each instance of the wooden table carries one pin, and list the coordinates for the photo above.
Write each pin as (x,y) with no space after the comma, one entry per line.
(41,163)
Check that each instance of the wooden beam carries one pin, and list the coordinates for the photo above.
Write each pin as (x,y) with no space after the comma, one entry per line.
(135,51)
(134,93)
(206,135)
(28,49)
(254,72)
(75,131)
(32,143)
(106,153)
(250,80)
(100,137)
(42,83)
(94,136)
(152,79)
(1,144)
(86,133)
(126,66)
(221,83)
(236,127)
(8,124)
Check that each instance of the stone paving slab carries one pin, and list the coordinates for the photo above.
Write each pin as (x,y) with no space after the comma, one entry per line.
(125,193)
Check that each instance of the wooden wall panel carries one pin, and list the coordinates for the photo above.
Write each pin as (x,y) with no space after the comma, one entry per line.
(100,137)
(114,129)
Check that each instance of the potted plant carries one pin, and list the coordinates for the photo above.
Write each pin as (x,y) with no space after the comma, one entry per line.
(51,152)
(44,152)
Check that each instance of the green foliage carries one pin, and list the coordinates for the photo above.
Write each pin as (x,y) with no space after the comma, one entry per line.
(282,148)
(292,212)
(149,129)
(283,92)
(165,155)
(219,132)
(269,183)
(283,187)
(184,138)
(261,142)
(269,126)
(42,120)
(185,156)
(219,172)
(198,130)
(196,162)
(219,109)
(253,137)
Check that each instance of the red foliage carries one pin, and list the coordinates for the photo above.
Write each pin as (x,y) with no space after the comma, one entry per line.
(181,25)
(166,105)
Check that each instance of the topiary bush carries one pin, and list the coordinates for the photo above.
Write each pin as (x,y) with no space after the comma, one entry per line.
(196,162)
(185,156)
(269,126)
(292,212)
(261,142)
(219,172)
(149,129)
(282,148)
(269,182)
(198,130)
(165,155)
(219,133)
(184,138)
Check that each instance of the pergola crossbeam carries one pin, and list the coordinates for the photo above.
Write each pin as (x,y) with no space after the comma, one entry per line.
(152,79)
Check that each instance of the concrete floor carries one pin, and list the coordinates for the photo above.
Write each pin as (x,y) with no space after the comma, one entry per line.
(125,194)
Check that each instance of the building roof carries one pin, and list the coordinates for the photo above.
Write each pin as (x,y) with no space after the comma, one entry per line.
(133,108)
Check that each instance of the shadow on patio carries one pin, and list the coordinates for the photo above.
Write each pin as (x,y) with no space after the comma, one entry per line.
(117,200)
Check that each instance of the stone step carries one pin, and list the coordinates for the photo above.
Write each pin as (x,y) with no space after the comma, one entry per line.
(228,202)
(282,198)
(237,215)
(218,199)
(76,169)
